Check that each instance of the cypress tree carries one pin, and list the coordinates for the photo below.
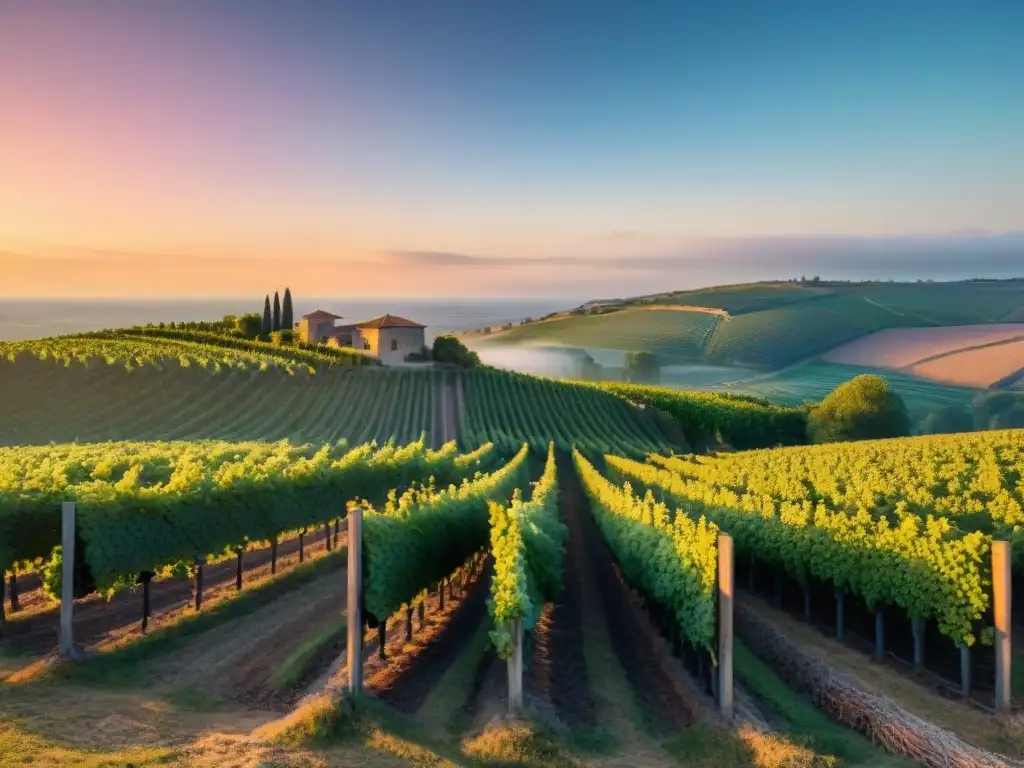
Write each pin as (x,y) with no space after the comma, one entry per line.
(277,312)
(287,318)
(267,326)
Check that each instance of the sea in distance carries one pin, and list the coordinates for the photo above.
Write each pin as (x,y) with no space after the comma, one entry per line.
(36,319)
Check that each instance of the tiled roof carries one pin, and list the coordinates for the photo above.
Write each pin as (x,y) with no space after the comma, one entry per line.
(390,321)
(321,315)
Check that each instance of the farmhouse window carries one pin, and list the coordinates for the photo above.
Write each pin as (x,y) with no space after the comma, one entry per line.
(394,345)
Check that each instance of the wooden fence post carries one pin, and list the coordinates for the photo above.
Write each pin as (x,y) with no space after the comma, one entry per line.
(1001,601)
(354,651)
(726,595)
(515,667)
(67,586)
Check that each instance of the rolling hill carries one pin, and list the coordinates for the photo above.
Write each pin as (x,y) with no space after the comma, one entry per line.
(765,326)
(100,389)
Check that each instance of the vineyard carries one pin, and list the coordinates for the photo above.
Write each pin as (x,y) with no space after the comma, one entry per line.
(106,391)
(743,421)
(973,480)
(514,545)
(144,508)
(506,408)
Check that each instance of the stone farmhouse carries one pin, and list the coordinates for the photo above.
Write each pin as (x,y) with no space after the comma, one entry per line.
(389,337)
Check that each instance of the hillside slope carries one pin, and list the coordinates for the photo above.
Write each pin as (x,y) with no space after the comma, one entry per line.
(150,394)
(767,326)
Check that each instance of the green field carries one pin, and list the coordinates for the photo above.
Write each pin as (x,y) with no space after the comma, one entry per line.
(768,326)
(738,299)
(670,333)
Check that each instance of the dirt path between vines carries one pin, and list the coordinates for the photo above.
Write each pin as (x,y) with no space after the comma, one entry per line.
(414,668)
(237,660)
(605,597)
(99,623)
(558,670)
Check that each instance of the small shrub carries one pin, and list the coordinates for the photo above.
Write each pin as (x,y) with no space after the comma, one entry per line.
(283,338)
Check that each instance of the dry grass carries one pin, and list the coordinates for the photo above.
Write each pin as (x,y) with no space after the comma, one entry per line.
(518,743)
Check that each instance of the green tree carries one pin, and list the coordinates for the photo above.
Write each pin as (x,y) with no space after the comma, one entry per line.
(863,408)
(287,314)
(277,313)
(268,324)
(948,419)
(249,326)
(448,349)
(642,367)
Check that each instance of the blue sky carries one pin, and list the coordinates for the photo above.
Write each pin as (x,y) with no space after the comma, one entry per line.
(217,129)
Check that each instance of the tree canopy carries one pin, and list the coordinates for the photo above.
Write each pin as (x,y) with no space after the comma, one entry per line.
(287,313)
(448,349)
(268,324)
(863,408)
(643,367)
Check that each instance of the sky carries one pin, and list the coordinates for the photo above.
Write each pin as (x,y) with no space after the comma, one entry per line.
(489,148)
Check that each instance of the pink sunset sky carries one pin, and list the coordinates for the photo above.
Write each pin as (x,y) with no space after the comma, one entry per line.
(213,148)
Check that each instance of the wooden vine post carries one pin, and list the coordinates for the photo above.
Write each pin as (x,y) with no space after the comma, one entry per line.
(726,597)
(67,584)
(354,649)
(1001,601)
(200,562)
(13,584)
(515,667)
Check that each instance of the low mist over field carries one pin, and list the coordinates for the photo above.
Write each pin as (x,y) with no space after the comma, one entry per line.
(540,361)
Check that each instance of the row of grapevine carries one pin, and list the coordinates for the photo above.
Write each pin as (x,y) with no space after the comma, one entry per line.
(742,421)
(144,507)
(507,408)
(47,402)
(134,352)
(669,558)
(974,479)
(412,542)
(315,355)
(923,564)
(528,547)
